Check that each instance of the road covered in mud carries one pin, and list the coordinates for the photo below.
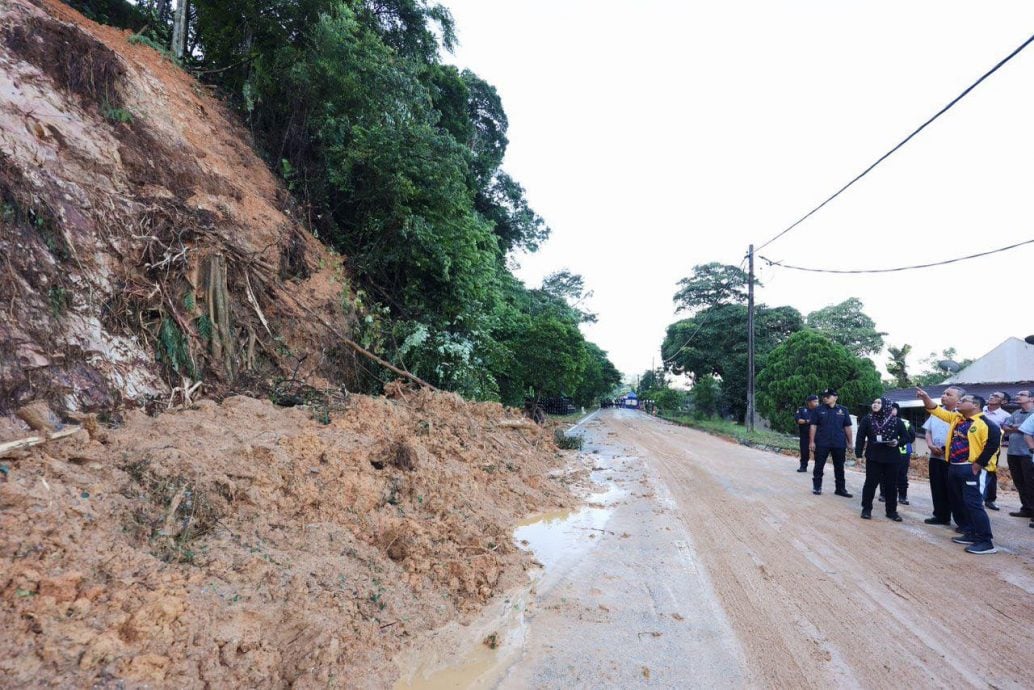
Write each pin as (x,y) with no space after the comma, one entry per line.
(700,562)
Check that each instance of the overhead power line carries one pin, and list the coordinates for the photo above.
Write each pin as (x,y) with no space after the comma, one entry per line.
(899,268)
(904,141)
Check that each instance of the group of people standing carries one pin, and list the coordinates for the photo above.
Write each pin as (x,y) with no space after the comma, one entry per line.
(964,436)
(884,439)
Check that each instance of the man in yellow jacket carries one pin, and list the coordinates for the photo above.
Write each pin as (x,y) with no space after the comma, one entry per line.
(971,450)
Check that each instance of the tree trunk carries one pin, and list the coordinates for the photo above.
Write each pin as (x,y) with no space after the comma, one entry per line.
(161,9)
(222,345)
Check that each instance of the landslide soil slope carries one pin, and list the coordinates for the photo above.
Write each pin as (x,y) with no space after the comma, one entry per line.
(142,239)
(245,545)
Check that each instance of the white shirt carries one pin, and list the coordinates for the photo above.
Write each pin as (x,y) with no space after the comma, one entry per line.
(937,431)
(998,416)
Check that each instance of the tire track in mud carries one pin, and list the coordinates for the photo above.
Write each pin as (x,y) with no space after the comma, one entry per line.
(818,597)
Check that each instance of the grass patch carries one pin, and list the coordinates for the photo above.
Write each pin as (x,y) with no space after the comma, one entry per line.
(723,427)
(566,442)
(145,40)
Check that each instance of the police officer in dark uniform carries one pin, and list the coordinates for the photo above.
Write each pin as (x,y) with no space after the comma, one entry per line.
(803,419)
(830,435)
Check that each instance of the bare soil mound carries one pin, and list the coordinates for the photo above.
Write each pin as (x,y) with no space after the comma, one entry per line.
(143,241)
(246,545)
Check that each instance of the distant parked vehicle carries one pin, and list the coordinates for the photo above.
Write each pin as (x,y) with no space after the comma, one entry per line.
(559,405)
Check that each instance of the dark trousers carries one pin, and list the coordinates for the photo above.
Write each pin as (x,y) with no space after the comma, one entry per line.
(1021,467)
(968,489)
(991,490)
(943,510)
(885,476)
(906,462)
(805,450)
(821,454)
(902,478)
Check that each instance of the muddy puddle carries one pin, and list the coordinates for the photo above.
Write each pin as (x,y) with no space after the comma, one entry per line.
(479,655)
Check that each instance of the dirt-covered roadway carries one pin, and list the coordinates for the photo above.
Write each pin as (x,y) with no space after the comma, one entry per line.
(712,564)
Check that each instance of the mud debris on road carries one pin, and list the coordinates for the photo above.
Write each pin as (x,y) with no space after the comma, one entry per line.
(711,564)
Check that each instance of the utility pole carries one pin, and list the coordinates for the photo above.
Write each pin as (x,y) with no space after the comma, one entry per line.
(179,29)
(750,339)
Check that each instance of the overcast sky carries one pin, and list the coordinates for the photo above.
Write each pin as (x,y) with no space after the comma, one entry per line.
(656,135)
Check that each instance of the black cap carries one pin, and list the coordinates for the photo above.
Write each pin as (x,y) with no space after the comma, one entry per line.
(828,392)
(811,397)
(896,406)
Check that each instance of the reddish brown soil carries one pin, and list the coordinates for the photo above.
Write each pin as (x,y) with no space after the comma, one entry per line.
(121,180)
(245,545)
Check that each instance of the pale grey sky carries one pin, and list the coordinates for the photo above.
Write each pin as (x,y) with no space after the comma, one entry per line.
(656,135)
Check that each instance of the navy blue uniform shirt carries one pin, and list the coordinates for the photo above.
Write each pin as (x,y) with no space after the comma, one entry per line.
(803,414)
(829,423)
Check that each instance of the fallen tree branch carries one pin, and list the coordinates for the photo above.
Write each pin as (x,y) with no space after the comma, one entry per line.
(11,446)
(515,424)
(254,302)
(364,352)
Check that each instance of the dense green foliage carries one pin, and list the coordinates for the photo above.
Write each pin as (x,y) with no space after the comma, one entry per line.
(714,343)
(808,362)
(848,325)
(706,397)
(710,285)
(395,160)
(712,348)
(115,12)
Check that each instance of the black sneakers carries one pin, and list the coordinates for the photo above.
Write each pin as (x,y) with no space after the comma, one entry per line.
(964,539)
(817,492)
(895,517)
(866,515)
(935,521)
(844,494)
(991,506)
(802,469)
(903,500)
(1022,513)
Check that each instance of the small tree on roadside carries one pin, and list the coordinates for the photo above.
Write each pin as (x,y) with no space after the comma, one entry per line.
(896,365)
(807,363)
(705,395)
(668,399)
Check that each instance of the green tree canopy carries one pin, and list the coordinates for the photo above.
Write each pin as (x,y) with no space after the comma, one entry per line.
(714,342)
(652,379)
(897,367)
(933,373)
(706,396)
(599,377)
(710,285)
(394,159)
(848,325)
(807,363)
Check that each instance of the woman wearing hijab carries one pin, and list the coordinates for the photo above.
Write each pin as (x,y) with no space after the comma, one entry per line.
(879,435)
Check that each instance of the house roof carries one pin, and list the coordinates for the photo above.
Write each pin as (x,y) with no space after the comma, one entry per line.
(1012,360)
(906,397)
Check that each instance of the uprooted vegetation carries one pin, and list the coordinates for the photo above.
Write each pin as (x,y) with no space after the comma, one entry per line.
(146,246)
(244,544)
